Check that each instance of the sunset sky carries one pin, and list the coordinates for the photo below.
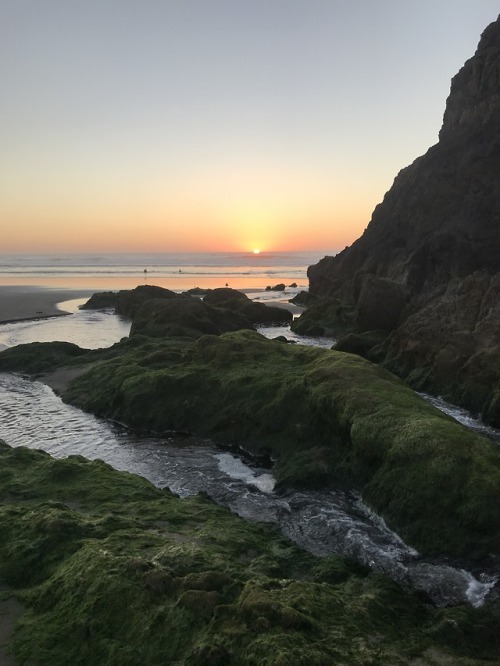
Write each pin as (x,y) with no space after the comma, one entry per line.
(216,125)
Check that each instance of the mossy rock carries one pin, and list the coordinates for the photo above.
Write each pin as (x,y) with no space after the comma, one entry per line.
(277,287)
(224,294)
(129,301)
(256,313)
(101,300)
(327,417)
(119,573)
(39,357)
(197,291)
(325,318)
(360,343)
(260,313)
(187,317)
(304,299)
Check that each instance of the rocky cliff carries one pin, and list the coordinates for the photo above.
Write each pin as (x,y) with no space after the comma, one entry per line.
(427,268)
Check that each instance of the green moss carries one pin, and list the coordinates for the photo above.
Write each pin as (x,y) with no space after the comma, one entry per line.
(39,357)
(129,301)
(119,573)
(330,318)
(185,316)
(326,417)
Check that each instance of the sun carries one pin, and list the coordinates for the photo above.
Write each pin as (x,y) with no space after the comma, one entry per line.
(256,250)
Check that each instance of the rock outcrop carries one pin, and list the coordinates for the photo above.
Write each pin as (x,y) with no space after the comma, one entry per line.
(327,419)
(427,268)
(160,312)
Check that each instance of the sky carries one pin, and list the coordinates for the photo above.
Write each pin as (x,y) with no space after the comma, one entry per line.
(216,125)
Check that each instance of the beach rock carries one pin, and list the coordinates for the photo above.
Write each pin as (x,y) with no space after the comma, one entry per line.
(427,267)
(277,287)
(102,300)
(197,291)
(185,317)
(129,301)
(224,294)
(293,285)
(360,343)
(261,313)
(325,317)
(39,357)
(303,298)
(255,313)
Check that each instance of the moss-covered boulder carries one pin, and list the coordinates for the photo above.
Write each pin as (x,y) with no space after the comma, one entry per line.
(324,317)
(115,572)
(260,313)
(325,416)
(101,300)
(160,312)
(39,357)
(129,301)
(224,294)
(255,313)
(187,317)
(360,343)
(197,291)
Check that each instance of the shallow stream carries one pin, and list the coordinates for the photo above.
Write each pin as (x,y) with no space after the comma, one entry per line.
(322,522)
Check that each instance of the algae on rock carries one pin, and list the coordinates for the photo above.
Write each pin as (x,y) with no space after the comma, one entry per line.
(326,417)
(116,572)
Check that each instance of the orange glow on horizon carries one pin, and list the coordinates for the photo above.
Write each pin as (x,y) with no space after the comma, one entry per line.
(204,222)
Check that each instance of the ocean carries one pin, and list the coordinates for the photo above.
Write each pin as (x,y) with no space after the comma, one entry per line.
(177,271)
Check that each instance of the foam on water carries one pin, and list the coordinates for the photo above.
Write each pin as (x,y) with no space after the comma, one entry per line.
(236,469)
(478,590)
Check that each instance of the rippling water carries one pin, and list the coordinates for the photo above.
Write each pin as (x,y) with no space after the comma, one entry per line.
(322,522)
(91,329)
(463,416)
(176,271)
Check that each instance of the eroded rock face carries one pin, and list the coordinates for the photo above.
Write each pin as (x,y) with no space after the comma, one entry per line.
(436,238)
(380,304)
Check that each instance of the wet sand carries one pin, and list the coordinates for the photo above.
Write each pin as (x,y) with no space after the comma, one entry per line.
(18,303)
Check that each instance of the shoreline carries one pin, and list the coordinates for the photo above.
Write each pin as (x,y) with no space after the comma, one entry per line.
(20,303)
(32,302)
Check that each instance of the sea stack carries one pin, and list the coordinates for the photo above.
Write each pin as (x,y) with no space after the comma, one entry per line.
(426,271)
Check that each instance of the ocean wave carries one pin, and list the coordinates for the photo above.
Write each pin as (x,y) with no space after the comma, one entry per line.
(115,262)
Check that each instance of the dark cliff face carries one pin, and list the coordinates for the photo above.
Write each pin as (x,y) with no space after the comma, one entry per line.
(436,235)
(474,98)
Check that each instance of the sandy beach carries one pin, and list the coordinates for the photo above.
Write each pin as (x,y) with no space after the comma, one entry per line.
(18,303)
